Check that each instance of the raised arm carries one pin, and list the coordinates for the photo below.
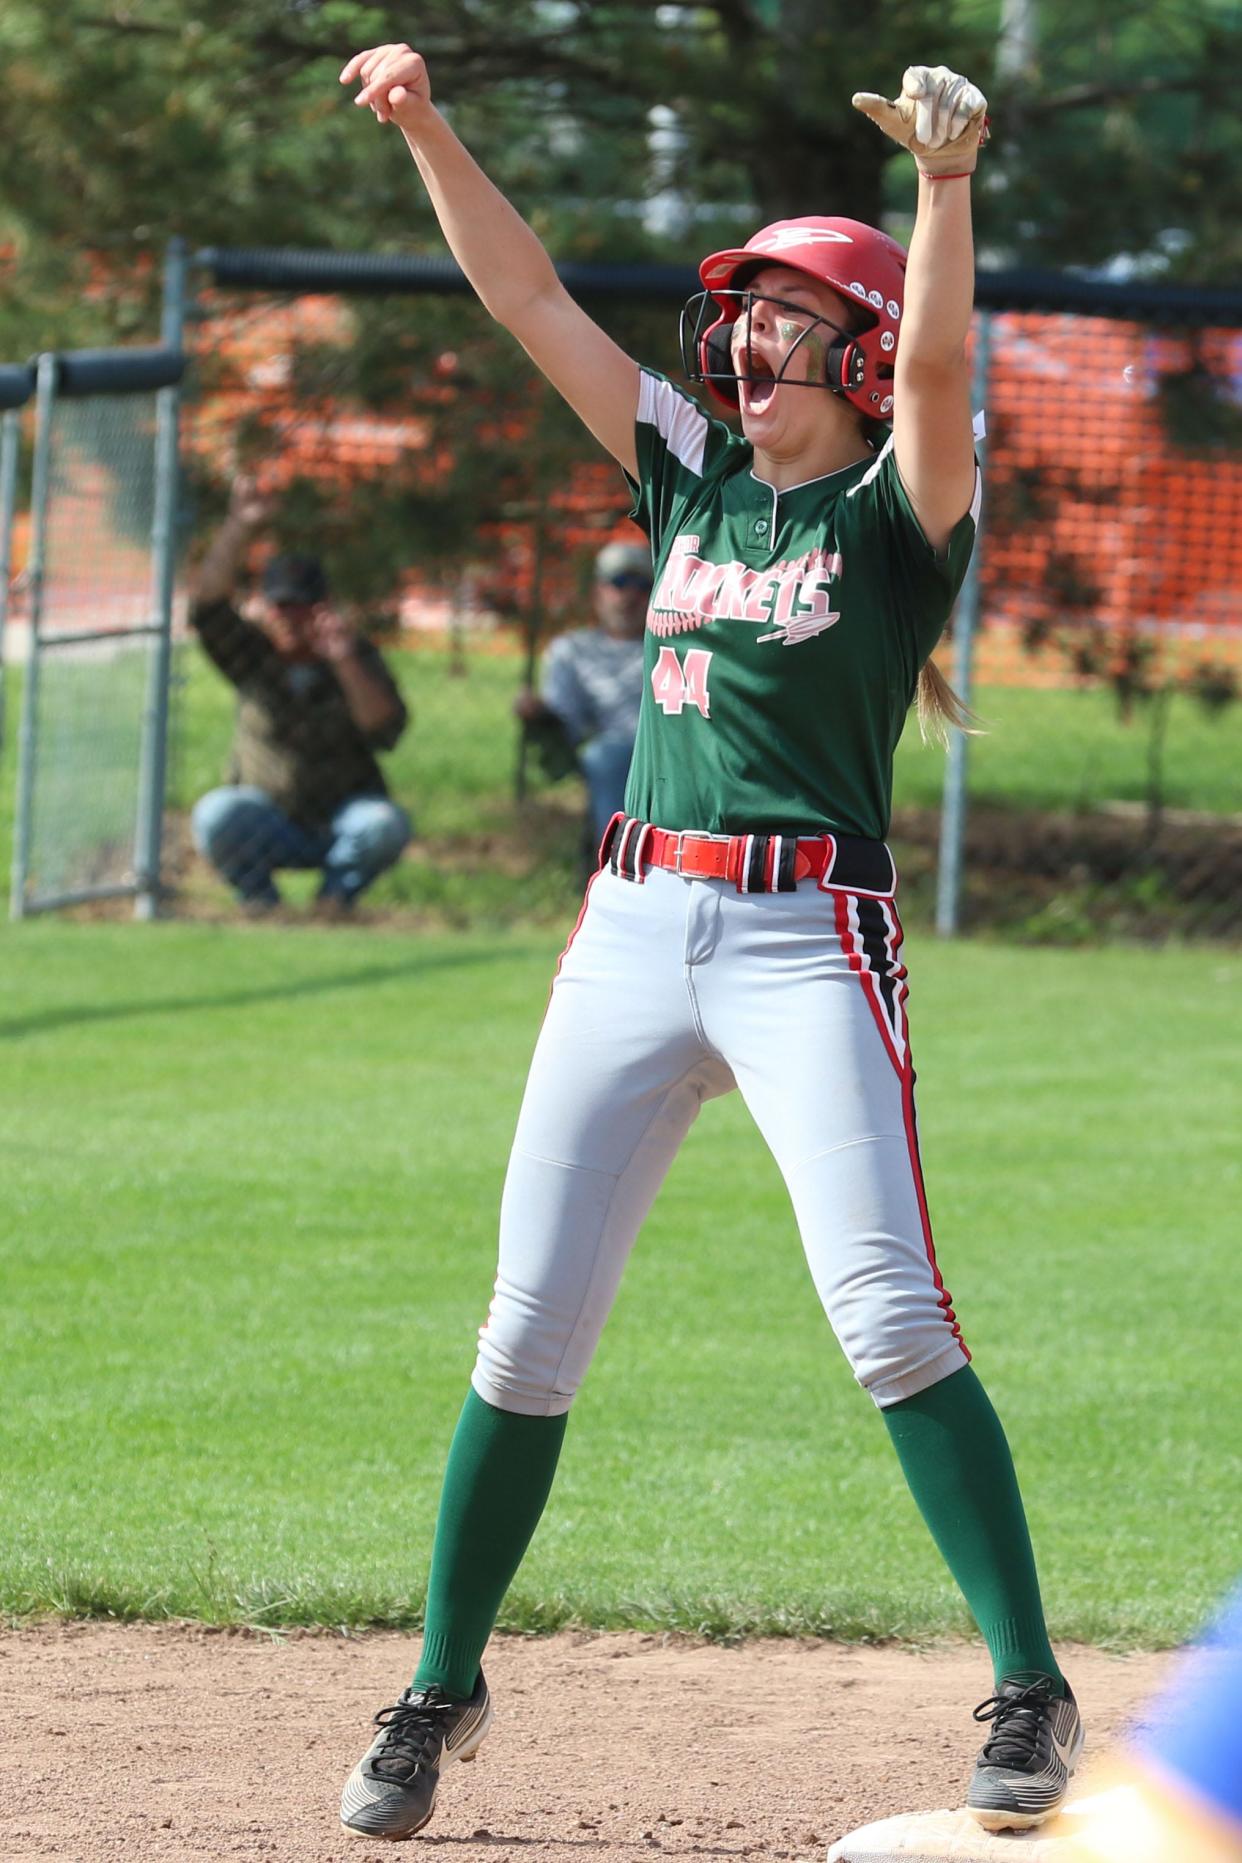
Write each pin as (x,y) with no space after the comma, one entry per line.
(501,256)
(940,118)
(215,578)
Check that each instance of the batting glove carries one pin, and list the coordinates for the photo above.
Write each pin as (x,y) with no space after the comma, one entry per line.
(940,117)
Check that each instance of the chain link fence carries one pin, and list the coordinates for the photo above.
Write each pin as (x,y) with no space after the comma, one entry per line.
(95,585)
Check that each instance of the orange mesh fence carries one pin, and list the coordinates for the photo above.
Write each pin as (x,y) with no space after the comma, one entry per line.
(1113,481)
(1112,540)
(308,426)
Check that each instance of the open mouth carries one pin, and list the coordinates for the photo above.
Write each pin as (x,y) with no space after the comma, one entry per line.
(757,392)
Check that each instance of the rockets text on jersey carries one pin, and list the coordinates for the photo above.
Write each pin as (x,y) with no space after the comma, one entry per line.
(810,612)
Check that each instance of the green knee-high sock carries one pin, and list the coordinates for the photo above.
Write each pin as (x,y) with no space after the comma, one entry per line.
(955,1457)
(498,1478)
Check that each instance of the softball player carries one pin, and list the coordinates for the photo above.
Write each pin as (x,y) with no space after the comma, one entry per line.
(742,929)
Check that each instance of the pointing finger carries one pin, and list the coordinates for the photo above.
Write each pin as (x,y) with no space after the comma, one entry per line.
(363,62)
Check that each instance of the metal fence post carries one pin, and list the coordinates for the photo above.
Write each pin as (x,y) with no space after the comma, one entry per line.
(954,802)
(10,441)
(45,403)
(154,752)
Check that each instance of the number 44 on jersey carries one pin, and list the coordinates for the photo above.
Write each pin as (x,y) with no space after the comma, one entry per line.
(677,683)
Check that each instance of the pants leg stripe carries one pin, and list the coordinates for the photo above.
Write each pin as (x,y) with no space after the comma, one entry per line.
(582,912)
(880,937)
(916,1167)
(871,937)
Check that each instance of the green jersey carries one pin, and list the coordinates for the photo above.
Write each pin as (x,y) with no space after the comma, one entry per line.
(785,633)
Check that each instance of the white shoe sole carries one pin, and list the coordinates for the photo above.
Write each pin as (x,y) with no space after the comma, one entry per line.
(1013,1820)
(993,1820)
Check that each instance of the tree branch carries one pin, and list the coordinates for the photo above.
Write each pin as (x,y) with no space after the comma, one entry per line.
(1084,96)
(533,57)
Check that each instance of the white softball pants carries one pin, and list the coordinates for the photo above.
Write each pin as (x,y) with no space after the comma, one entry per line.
(674,990)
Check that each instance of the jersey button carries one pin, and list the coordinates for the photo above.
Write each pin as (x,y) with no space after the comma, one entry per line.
(761,527)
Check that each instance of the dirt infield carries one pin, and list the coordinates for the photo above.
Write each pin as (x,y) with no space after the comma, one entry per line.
(178,1742)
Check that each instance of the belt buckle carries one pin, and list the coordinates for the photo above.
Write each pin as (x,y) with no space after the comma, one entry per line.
(701,867)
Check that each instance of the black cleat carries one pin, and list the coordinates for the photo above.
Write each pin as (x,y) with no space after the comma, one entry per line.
(392,1790)
(1024,1768)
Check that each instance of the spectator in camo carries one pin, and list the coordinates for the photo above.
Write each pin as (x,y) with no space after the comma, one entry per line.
(316,702)
(592,679)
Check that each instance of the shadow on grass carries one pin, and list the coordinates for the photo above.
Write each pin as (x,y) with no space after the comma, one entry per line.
(71,1015)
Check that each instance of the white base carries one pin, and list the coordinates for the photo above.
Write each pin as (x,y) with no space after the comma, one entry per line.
(954,1837)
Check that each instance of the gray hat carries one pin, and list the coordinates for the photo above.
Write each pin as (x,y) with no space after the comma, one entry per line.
(296,579)
(623,559)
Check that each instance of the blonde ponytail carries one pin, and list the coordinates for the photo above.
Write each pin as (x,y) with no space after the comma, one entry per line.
(940,708)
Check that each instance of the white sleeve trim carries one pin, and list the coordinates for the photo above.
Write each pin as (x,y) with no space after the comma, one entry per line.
(873,468)
(976,501)
(682,426)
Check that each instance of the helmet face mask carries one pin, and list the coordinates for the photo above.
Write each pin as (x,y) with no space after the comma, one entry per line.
(859,263)
(709,319)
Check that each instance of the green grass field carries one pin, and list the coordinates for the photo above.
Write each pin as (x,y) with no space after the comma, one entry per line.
(251,1178)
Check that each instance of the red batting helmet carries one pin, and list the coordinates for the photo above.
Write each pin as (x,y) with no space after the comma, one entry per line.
(858,261)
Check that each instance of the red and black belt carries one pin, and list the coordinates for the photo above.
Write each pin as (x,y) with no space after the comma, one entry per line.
(755,863)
